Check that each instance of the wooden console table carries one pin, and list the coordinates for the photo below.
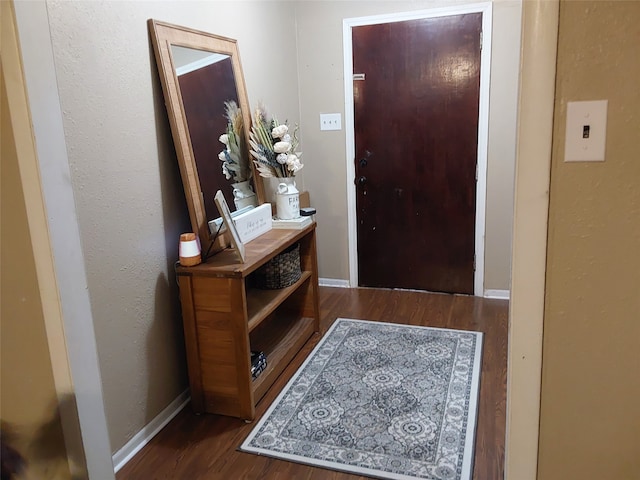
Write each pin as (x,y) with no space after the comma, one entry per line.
(225,318)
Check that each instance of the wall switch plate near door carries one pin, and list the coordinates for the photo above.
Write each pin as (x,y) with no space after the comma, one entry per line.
(585,137)
(330,121)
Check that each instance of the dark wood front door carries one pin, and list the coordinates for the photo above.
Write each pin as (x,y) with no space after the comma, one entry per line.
(416,137)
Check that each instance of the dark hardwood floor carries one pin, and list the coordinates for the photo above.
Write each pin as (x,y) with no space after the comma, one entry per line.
(194,447)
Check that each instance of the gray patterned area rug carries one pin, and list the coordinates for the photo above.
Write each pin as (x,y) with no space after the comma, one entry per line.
(382,400)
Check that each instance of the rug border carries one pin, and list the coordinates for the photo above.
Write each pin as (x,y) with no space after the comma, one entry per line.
(468,455)
(474,404)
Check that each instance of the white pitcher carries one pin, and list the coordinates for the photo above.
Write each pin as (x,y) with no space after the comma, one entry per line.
(243,195)
(287,199)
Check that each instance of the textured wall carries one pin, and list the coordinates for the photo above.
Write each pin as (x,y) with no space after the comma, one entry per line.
(590,420)
(126,181)
(320,53)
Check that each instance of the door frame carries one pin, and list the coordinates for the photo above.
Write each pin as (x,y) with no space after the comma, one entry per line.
(483,125)
(64,258)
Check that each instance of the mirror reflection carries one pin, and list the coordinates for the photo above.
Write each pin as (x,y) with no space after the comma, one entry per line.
(201,77)
(208,91)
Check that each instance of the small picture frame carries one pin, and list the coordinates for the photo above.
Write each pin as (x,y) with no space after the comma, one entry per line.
(225,213)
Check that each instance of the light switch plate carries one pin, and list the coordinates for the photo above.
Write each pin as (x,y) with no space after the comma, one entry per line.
(330,121)
(586,133)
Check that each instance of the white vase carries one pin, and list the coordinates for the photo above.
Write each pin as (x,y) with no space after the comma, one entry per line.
(243,195)
(287,199)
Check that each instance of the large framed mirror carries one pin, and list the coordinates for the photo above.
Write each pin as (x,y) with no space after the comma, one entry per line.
(200,75)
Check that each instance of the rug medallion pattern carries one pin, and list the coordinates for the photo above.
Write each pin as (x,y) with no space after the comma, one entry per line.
(380,399)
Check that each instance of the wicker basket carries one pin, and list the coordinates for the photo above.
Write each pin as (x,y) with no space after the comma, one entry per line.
(281,271)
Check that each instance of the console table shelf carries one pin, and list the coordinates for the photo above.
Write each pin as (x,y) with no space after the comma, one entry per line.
(280,345)
(225,318)
(263,302)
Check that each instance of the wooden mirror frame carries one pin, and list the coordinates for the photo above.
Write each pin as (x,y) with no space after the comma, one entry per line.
(163,36)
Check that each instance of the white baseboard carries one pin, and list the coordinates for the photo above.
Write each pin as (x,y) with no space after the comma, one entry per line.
(333,282)
(499,294)
(140,439)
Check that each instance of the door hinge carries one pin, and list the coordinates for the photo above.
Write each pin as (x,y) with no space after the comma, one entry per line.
(481,38)
(476,172)
(474,262)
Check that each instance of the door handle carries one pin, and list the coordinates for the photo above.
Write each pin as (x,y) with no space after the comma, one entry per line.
(365,158)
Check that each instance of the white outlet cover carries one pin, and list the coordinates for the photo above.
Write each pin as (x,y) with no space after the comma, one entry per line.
(585,137)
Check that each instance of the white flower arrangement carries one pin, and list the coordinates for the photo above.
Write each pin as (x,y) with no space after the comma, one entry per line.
(234,158)
(272,147)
